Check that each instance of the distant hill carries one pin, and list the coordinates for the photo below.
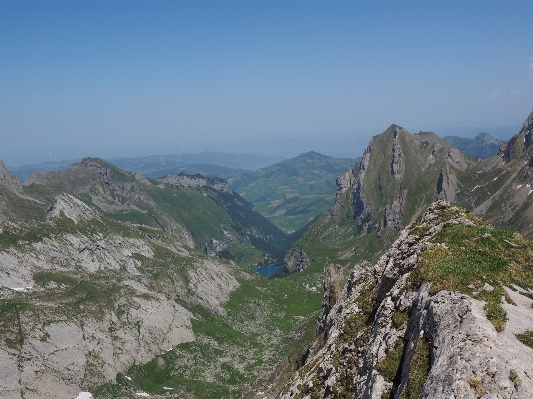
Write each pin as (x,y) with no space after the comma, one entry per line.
(292,192)
(215,163)
(25,171)
(502,132)
(205,163)
(193,169)
(483,145)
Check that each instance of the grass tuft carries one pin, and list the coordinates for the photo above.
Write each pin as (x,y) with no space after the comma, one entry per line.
(526,338)
(477,386)
(418,370)
(390,366)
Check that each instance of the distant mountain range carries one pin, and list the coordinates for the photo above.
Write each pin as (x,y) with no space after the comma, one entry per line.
(205,163)
(501,133)
(483,145)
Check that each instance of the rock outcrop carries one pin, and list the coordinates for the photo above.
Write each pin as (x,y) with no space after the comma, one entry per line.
(296,260)
(198,180)
(389,337)
(72,208)
(8,179)
(519,143)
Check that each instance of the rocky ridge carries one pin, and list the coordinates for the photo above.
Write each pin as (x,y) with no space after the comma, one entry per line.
(296,260)
(389,335)
(77,306)
(198,180)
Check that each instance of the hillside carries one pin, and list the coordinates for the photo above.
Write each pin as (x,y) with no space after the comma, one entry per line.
(502,185)
(227,223)
(446,312)
(108,282)
(482,146)
(292,192)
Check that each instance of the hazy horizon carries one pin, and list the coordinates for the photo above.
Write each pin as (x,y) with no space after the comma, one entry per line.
(115,79)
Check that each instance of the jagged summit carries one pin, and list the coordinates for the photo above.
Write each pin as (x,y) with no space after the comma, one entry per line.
(499,188)
(8,179)
(428,319)
(520,143)
(399,175)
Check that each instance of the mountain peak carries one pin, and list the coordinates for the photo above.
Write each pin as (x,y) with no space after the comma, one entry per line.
(520,143)
(7,178)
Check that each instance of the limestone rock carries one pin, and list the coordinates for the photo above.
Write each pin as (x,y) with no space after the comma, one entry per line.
(186,180)
(379,317)
(296,260)
(72,208)
(8,179)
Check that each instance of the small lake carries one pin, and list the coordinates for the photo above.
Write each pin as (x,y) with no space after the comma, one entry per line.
(268,270)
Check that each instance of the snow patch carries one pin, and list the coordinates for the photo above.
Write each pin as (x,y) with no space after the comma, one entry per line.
(84,395)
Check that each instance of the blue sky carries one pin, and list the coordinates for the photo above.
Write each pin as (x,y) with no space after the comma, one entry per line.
(119,78)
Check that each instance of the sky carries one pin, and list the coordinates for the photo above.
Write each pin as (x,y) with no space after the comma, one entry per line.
(131,78)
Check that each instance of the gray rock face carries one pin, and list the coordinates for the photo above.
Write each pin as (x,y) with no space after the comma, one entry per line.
(519,143)
(378,314)
(296,260)
(95,314)
(195,181)
(362,209)
(72,208)
(398,161)
(7,179)
(344,181)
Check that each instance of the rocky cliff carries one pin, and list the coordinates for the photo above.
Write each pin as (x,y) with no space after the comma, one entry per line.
(296,260)
(499,188)
(399,175)
(445,313)
(198,180)
(80,301)
(103,271)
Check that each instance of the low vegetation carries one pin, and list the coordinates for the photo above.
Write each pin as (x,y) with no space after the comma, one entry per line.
(526,338)
(418,370)
(478,261)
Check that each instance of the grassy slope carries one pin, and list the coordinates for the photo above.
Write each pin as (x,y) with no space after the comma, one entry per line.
(236,354)
(473,256)
(292,192)
(233,354)
(204,212)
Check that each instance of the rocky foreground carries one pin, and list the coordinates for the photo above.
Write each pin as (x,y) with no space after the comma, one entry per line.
(445,313)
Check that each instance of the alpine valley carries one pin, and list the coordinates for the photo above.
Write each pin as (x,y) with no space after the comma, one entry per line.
(415,280)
